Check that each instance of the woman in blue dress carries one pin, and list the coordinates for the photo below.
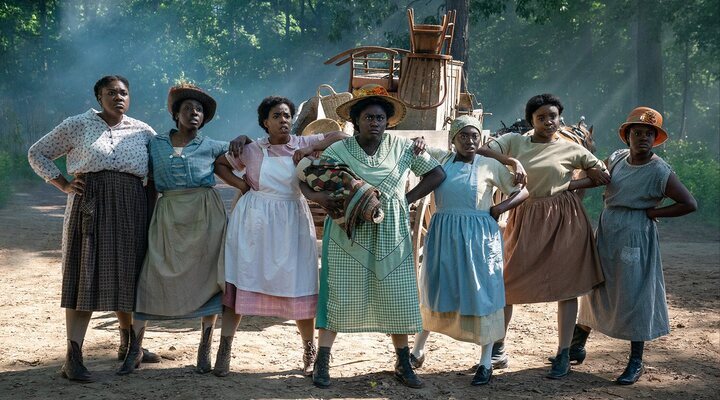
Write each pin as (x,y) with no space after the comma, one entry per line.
(631,304)
(462,293)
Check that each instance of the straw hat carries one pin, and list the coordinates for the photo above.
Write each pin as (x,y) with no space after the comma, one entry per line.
(373,90)
(322,125)
(189,91)
(645,116)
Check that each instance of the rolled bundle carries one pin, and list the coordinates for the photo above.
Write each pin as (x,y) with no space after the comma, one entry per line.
(361,201)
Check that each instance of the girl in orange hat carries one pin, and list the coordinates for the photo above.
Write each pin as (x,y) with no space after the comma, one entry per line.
(631,304)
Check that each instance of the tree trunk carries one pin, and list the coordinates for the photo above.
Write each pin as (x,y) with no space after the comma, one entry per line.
(686,90)
(459,49)
(650,85)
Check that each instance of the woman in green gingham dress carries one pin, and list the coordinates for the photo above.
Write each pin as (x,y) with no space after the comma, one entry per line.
(367,282)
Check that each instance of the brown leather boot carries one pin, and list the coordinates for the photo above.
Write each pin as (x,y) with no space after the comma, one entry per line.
(148,356)
(135,353)
(222,361)
(203,357)
(309,354)
(73,369)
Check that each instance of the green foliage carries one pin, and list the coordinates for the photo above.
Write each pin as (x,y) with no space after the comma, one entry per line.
(52,52)
(699,170)
(5,190)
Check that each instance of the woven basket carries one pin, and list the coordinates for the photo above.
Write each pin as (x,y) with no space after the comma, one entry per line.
(323,125)
(307,113)
(331,101)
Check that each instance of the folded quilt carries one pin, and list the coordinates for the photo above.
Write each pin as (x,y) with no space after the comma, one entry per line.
(361,201)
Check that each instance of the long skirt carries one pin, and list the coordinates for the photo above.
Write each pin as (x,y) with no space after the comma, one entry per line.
(184,267)
(550,252)
(104,242)
(631,304)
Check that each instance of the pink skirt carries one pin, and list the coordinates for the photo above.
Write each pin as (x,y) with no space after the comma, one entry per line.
(253,303)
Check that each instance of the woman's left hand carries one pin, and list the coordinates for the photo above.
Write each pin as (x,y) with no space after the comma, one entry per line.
(419,145)
(304,152)
(237,145)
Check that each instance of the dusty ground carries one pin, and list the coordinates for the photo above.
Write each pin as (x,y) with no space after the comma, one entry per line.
(267,352)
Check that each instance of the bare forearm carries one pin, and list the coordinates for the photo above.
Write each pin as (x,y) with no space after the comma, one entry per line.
(430,181)
(309,193)
(329,139)
(513,201)
(583,183)
(60,182)
(225,173)
(673,210)
(502,158)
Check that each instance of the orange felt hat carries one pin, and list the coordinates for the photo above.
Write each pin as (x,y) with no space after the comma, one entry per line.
(645,116)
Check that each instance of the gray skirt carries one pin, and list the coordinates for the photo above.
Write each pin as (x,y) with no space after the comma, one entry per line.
(104,243)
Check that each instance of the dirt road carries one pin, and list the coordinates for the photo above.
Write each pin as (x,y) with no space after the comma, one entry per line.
(267,352)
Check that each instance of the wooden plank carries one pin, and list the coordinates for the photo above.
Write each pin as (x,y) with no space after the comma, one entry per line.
(438,139)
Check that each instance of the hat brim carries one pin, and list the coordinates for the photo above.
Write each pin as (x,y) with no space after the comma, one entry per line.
(660,138)
(323,125)
(180,94)
(343,110)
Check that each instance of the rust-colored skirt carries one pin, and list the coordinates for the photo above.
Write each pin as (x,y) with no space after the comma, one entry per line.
(104,243)
(550,252)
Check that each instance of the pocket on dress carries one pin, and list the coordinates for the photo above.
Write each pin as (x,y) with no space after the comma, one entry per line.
(87,215)
(630,255)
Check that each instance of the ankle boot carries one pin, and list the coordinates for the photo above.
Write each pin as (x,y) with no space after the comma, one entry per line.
(321,368)
(73,369)
(560,365)
(499,357)
(203,356)
(222,360)
(148,356)
(635,367)
(577,346)
(403,370)
(482,376)
(417,362)
(135,353)
(309,355)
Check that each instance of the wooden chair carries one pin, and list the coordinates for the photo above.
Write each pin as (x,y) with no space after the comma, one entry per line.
(371,64)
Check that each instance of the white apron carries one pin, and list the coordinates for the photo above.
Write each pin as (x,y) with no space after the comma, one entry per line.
(271,244)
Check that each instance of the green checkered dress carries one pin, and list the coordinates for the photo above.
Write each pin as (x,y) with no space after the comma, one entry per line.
(368,283)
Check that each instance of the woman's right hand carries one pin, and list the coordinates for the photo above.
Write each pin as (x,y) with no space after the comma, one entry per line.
(520,174)
(332,205)
(77,186)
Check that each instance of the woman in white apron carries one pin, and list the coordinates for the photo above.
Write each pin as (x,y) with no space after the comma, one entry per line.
(271,261)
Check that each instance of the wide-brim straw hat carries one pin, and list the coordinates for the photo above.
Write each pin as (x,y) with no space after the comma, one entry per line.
(373,90)
(189,91)
(645,116)
(322,125)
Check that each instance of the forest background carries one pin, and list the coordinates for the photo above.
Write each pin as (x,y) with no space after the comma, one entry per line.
(602,58)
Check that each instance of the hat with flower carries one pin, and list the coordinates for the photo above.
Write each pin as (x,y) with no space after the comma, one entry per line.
(644,116)
(369,91)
